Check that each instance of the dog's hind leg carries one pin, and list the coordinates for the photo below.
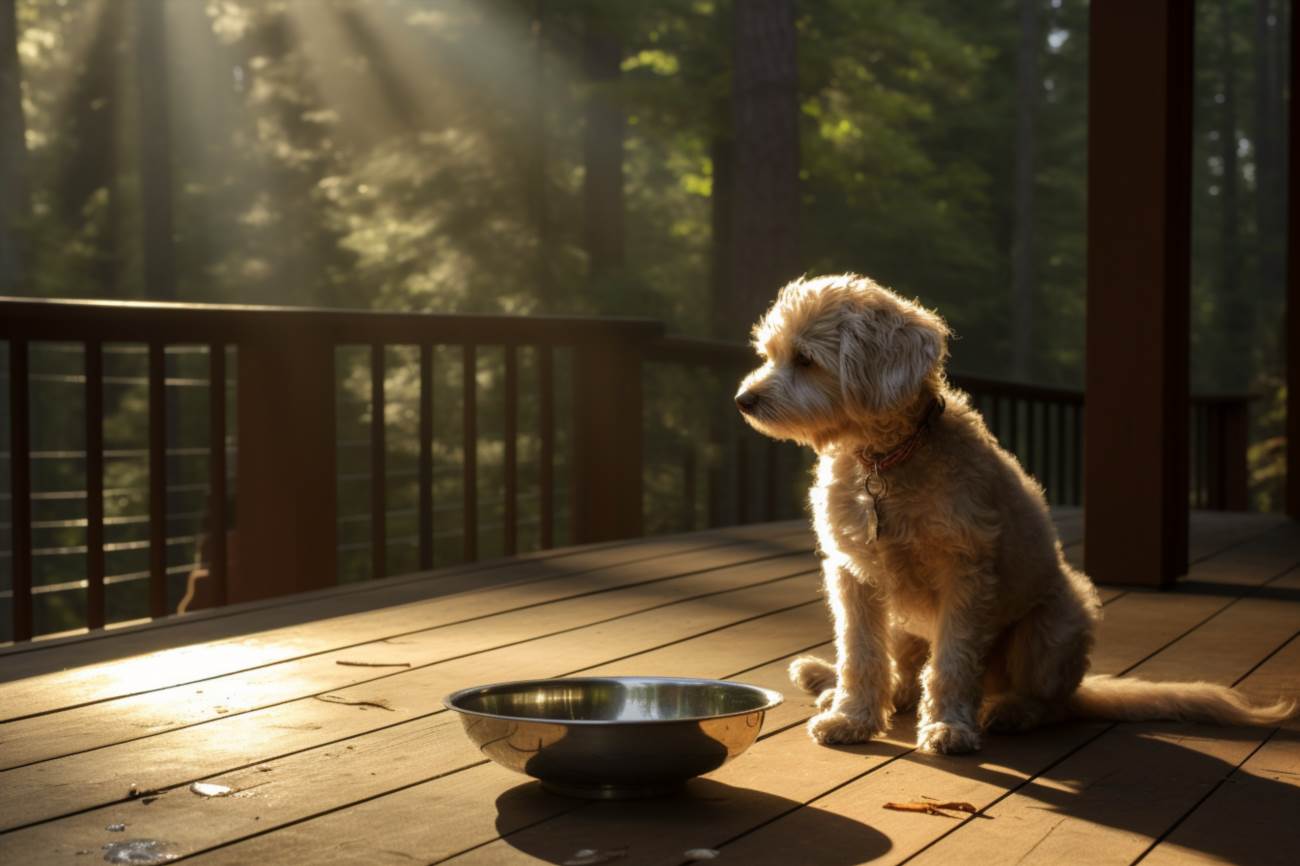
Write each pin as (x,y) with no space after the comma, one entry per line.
(909,654)
(812,674)
(1046,658)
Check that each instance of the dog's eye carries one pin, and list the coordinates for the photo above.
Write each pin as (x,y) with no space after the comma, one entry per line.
(802,360)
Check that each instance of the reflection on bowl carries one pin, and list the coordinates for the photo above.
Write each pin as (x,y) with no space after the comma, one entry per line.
(613,737)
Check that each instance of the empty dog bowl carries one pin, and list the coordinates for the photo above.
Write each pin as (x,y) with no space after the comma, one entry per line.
(613,737)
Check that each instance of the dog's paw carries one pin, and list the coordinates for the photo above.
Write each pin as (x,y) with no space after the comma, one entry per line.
(836,728)
(825,699)
(941,738)
(812,674)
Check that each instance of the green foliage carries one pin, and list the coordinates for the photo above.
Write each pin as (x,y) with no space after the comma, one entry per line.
(393,153)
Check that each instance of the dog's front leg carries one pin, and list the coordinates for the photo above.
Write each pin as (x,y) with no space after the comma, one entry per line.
(861,705)
(951,682)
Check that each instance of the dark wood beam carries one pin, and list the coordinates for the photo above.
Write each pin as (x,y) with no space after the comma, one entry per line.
(1139,234)
(1293,281)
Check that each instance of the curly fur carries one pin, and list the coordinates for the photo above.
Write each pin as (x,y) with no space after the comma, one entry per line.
(964,606)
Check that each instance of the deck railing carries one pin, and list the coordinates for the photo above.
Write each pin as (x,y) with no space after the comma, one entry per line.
(260,506)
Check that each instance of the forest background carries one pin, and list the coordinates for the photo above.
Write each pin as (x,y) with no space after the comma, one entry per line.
(676,159)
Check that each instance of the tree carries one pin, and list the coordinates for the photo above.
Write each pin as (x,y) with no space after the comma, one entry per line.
(13,150)
(155,153)
(765,192)
(602,147)
(1028,84)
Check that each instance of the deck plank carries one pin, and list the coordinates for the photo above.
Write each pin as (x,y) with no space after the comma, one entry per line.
(398,617)
(340,773)
(104,723)
(1109,801)
(1006,761)
(334,783)
(90,779)
(1250,817)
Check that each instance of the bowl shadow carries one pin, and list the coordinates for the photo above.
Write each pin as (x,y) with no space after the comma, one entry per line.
(705,814)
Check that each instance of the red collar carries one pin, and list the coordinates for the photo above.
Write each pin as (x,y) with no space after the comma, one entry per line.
(877,463)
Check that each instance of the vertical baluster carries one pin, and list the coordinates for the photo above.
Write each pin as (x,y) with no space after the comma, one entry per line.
(1061,411)
(94,360)
(425,507)
(742,476)
(1077,417)
(157,479)
(20,480)
(771,462)
(511,519)
(378,467)
(688,489)
(217,530)
(1013,428)
(546,460)
(469,436)
(1031,437)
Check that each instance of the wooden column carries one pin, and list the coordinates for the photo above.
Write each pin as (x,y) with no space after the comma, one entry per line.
(1139,226)
(285,495)
(1293,278)
(607,442)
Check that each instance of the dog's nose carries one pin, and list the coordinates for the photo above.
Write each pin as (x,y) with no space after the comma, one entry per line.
(746,401)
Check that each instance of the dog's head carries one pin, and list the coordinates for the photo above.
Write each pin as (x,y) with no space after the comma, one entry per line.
(837,352)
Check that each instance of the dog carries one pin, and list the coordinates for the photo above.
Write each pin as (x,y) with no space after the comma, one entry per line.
(946,581)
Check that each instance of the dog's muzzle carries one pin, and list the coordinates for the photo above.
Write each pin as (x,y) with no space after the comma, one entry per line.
(747,402)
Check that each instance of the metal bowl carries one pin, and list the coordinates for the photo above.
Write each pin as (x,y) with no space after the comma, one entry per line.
(613,737)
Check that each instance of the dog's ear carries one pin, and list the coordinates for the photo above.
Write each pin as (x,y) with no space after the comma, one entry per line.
(885,356)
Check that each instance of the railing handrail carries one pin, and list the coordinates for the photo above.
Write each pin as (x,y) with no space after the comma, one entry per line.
(62,319)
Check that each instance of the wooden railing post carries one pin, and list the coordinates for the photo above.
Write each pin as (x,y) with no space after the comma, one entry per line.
(605,503)
(285,498)
(1229,483)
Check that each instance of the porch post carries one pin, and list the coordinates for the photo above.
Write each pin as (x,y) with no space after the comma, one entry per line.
(285,498)
(1139,232)
(1293,280)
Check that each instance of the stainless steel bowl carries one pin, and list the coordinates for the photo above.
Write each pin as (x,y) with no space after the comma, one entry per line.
(613,737)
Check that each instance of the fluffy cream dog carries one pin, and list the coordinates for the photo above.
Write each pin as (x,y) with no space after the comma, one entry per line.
(945,578)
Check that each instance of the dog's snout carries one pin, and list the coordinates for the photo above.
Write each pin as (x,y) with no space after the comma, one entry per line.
(746,401)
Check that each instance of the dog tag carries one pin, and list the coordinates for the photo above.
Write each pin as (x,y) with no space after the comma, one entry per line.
(875,489)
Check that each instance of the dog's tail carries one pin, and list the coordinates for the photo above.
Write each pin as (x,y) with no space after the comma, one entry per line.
(1134,700)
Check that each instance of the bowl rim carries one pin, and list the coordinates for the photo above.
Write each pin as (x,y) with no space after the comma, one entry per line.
(774,700)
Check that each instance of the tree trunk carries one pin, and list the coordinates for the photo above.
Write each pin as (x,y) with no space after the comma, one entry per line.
(722,154)
(1022,244)
(1236,319)
(159,265)
(535,167)
(1270,187)
(765,222)
(13,151)
(602,149)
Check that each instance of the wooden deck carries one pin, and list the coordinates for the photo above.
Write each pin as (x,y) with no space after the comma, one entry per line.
(322,712)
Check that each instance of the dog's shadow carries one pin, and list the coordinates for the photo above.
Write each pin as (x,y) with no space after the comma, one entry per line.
(1141,779)
(664,830)
(1146,779)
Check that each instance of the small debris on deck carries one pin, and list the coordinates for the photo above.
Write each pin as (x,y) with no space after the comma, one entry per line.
(115,828)
(335,699)
(142,852)
(209,789)
(592,856)
(933,808)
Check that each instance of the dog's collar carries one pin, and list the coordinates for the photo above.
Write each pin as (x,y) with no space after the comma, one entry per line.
(876,463)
